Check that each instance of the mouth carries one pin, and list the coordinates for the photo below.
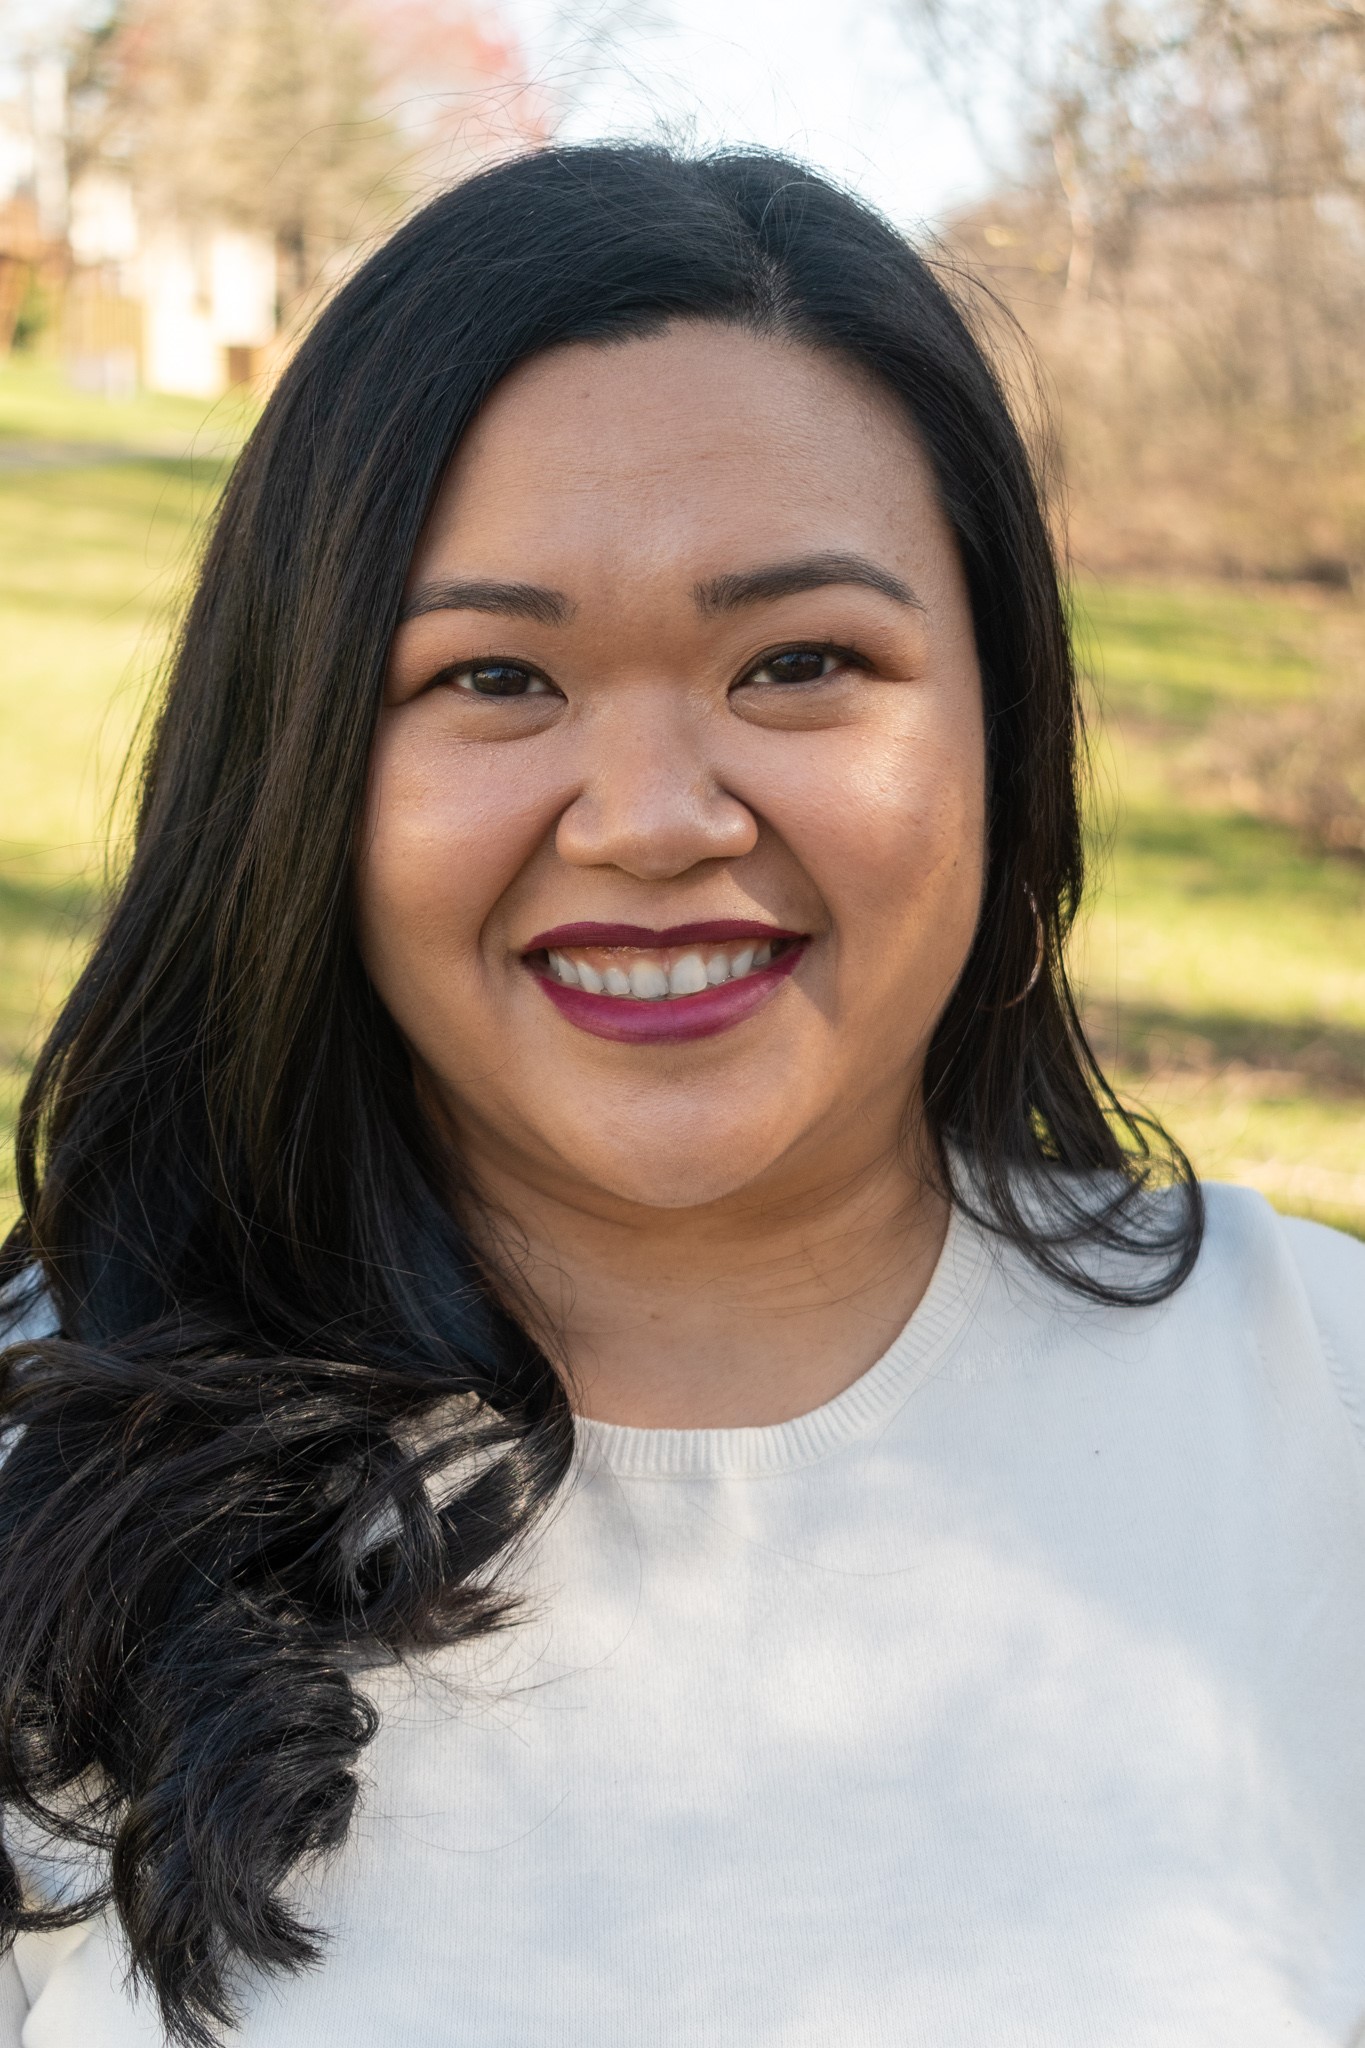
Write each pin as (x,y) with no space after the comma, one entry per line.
(690,981)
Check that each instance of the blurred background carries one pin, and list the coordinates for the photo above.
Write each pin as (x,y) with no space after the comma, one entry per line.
(1157,213)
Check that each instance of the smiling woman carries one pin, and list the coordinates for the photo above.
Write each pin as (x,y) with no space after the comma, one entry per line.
(775,768)
(586,1027)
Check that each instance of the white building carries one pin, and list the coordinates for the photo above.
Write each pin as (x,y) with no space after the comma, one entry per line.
(170,306)
(155,304)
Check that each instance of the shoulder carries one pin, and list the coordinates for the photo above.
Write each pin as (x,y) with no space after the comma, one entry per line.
(1247,1244)
(1298,1287)
(1271,1300)
(1331,1266)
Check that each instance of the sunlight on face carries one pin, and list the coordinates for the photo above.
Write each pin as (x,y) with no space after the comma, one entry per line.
(675,836)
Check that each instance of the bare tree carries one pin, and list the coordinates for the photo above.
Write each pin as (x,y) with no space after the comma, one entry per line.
(255,113)
(1182,227)
(318,121)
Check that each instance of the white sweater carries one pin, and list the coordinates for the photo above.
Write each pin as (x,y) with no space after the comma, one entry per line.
(1015,1699)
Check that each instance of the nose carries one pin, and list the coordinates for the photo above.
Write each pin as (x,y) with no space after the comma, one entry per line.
(651,801)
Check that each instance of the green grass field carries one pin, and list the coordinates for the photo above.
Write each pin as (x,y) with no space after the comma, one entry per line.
(1224,968)
(100,508)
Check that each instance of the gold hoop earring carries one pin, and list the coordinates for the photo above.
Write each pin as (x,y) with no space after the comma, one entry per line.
(1040,951)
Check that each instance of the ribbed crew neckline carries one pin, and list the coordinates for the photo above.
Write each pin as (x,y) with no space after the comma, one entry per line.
(942,1315)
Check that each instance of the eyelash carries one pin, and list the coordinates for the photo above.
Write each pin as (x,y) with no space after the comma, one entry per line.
(825,649)
(451,676)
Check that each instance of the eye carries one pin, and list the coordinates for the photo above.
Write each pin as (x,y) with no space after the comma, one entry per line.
(798,665)
(495,679)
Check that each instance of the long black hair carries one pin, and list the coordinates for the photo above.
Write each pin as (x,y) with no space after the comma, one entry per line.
(270,1331)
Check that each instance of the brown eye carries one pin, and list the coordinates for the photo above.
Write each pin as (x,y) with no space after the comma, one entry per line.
(796,665)
(497,679)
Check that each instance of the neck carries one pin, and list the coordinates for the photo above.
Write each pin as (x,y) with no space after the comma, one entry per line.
(737,1313)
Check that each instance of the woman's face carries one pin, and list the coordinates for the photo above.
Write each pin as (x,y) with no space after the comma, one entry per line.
(675,832)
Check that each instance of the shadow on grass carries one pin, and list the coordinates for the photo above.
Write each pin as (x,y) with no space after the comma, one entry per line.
(1239,851)
(1229,855)
(33,904)
(1323,1059)
(1175,657)
(18,454)
(40,919)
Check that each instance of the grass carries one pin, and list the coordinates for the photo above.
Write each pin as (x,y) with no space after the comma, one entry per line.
(1224,969)
(37,404)
(97,538)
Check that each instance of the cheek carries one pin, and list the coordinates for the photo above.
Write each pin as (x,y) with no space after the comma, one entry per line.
(446,830)
(894,832)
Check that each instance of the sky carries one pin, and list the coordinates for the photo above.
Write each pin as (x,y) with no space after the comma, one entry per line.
(833,81)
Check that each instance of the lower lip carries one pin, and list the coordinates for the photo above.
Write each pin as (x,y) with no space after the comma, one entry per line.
(671,1019)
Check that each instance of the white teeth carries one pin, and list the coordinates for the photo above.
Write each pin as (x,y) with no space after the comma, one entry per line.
(650,981)
(687,977)
(647,982)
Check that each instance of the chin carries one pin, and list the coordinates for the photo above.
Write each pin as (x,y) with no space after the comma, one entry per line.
(667,1170)
(678,1191)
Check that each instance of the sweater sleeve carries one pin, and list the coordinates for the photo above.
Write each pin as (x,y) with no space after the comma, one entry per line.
(1332,1267)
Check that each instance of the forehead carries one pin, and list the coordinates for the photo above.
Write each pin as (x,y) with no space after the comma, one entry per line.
(703,443)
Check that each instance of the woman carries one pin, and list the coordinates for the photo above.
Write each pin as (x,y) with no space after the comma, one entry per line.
(613,1437)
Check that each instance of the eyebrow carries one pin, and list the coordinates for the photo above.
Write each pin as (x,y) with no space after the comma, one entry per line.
(717,594)
(810,572)
(506,600)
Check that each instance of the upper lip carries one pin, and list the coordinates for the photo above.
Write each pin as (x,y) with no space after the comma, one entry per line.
(714,932)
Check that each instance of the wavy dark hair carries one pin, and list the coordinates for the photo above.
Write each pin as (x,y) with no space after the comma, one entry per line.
(270,1332)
